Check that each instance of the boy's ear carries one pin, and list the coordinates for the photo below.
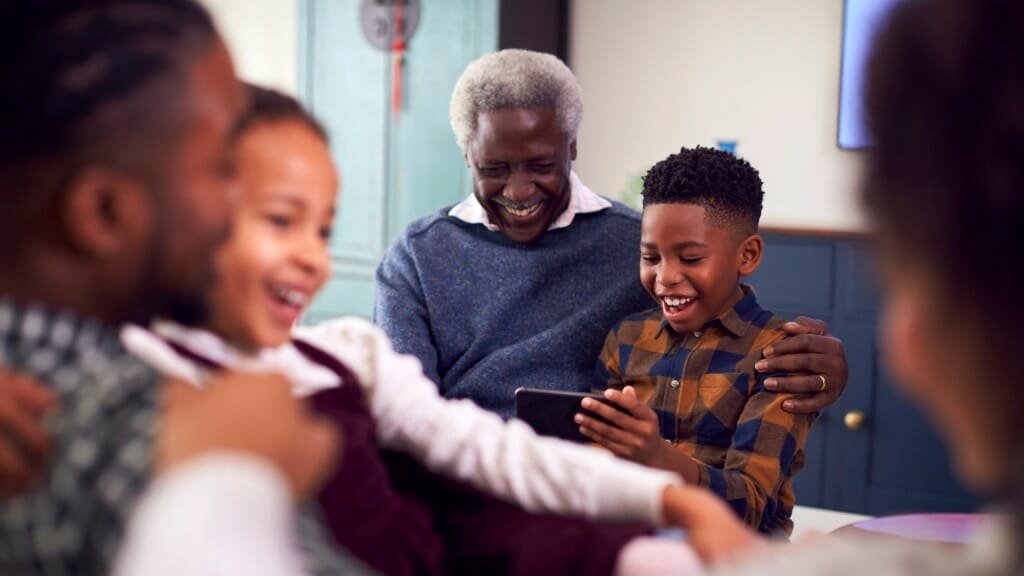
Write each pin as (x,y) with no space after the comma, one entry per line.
(572,151)
(751,250)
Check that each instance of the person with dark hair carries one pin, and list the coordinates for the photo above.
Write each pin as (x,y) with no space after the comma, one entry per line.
(684,373)
(269,105)
(116,180)
(944,190)
(728,188)
(518,284)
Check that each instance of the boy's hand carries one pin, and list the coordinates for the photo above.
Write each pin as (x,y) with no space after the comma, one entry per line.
(713,530)
(634,436)
(814,364)
(255,414)
(24,443)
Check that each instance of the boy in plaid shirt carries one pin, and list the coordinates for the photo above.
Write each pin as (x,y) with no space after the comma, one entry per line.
(685,371)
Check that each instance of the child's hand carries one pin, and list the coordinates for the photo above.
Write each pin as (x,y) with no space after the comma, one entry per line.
(231,415)
(713,529)
(635,435)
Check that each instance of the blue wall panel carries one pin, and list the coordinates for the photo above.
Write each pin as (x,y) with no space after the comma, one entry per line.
(896,462)
(395,167)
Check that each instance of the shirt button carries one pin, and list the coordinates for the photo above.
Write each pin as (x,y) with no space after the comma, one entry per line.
(674,384)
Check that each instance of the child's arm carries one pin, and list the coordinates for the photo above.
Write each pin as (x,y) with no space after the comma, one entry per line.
(461,440)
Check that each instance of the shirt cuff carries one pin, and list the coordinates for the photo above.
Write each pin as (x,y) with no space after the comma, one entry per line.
(645,492)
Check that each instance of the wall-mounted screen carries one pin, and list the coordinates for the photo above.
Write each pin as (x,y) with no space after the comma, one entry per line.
(861,19)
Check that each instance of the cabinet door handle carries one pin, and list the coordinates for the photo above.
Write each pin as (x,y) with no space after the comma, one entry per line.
(854,420)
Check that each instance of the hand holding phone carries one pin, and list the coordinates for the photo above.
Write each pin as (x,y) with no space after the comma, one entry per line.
(553,412)
(631,430)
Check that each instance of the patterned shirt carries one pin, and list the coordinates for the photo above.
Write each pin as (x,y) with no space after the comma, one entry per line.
(102,436)
(712,405)
(101,463)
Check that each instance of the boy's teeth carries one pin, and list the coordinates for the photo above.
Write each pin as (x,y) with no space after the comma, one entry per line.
(675,302)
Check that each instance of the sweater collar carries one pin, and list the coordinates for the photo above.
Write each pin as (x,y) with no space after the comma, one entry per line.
(582,200)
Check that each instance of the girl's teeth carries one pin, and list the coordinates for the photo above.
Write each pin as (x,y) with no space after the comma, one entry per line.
(291,297)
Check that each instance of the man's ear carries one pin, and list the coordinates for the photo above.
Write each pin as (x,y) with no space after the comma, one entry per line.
(105,211)
(750,254)
(572,150)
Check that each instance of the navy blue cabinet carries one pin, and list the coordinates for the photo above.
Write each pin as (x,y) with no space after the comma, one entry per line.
(894,461)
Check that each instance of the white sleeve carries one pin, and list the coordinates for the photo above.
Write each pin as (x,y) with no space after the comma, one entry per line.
(218,514)
(507,459)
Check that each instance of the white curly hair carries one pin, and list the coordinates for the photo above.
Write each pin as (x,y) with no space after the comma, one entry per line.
(514,78)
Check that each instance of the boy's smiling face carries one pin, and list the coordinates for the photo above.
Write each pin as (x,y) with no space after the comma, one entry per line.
(692,266)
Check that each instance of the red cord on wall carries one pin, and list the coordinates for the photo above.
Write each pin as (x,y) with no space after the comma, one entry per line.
(398,60)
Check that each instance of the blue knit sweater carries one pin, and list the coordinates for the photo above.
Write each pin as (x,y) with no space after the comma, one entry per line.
(486,315)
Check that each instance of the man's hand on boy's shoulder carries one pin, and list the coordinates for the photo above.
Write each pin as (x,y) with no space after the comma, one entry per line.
(813,364)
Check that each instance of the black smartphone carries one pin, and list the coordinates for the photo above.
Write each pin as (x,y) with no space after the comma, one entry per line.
(552,412)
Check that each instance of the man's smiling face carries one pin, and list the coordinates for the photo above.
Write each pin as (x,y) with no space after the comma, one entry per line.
(521,160)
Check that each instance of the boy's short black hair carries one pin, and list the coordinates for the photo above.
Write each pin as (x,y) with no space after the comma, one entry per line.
(269,105)
(729,188)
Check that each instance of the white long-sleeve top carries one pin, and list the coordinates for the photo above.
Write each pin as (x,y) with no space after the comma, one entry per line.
(222,513)
(451,437)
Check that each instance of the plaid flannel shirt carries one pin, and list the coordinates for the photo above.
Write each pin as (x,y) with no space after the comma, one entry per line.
(712,405)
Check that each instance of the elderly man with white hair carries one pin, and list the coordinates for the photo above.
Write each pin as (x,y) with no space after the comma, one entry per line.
(518,285)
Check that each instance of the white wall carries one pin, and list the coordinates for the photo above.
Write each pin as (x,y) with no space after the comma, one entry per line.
(262,36)
(660,74)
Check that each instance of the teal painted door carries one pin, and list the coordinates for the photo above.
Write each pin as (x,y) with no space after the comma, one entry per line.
(394,167)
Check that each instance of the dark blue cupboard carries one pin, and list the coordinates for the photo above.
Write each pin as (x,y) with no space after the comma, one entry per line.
(873,452)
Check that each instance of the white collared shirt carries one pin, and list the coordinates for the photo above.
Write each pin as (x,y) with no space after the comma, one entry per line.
(582,200)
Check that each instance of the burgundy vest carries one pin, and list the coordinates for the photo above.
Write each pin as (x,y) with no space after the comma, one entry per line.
(402,519)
